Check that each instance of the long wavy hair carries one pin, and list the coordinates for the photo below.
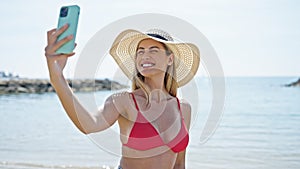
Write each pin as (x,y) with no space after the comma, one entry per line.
(170,82)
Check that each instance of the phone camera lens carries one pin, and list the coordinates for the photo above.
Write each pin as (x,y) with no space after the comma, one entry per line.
(63,12)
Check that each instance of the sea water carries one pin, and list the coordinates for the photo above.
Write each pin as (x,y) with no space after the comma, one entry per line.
(259,128)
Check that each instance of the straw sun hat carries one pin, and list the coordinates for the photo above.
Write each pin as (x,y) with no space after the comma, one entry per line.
(186,55)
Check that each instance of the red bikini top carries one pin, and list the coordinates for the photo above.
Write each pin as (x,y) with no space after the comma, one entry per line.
(143,135)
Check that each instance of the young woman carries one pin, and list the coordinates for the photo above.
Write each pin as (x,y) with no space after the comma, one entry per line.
(153,122)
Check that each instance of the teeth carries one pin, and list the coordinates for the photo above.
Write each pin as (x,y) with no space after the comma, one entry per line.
(147,65)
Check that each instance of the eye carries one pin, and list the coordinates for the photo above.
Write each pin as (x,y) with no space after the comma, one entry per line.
(140,52)
(153,51)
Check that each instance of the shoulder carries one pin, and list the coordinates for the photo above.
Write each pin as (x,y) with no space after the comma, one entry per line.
(119,97)
(185,106)
(186,111)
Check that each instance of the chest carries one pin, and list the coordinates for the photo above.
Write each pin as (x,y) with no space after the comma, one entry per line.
(163,119)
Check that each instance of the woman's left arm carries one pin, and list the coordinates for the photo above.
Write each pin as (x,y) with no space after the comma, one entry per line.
(186,112)
(180,160)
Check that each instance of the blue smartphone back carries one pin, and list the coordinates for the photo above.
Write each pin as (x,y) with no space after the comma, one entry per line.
(68,15)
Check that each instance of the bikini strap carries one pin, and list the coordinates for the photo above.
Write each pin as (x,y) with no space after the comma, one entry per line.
(137,107)
(179,107)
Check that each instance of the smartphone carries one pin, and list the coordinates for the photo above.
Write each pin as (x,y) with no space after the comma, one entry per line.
(68,15)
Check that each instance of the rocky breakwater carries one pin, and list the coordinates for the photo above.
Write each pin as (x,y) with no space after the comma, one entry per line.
(296,83)
(10,86)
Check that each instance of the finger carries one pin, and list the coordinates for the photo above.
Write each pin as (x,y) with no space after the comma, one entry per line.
(70,54)
(50,32)
(63,55)
(61,30)
(57,56)
(61,42)
(49,53)
(53,37)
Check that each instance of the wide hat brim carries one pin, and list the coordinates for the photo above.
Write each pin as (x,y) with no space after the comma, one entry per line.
(187,55)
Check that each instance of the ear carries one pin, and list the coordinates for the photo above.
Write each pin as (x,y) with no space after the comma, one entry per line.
(170,59)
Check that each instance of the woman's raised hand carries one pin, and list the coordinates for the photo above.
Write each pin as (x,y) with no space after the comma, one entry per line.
(56,62)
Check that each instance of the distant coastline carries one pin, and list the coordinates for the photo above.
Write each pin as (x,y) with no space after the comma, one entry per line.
(23,85)
(296,83)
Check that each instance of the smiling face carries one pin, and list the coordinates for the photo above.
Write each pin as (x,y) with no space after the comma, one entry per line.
(152,58)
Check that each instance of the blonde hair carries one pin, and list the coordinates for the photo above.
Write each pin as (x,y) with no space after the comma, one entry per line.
(169,79)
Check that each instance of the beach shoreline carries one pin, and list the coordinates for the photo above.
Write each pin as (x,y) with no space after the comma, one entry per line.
(27,165)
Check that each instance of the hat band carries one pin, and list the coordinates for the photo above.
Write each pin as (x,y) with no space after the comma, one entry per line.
(157,36)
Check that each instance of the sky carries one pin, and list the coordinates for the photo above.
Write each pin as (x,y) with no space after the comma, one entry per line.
(250,37)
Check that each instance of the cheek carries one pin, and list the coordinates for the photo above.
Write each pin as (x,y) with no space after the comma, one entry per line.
(137,65)
(162,62)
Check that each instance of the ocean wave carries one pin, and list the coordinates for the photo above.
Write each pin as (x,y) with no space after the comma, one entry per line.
(25,165)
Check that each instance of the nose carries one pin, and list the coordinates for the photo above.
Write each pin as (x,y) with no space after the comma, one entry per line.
(146,55)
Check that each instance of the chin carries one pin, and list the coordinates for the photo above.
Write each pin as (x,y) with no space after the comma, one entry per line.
(151,73)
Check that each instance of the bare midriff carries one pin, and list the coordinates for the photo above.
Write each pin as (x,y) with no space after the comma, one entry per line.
(163,160)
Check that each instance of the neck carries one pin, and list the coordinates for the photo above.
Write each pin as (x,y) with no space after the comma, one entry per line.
(156,83)
(157,88)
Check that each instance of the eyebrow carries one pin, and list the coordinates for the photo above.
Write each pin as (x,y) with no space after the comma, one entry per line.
(152,47)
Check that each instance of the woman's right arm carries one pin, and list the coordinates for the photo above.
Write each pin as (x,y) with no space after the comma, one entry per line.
(85,121)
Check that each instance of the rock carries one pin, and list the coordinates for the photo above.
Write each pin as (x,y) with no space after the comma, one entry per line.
(3,83)
(22,90)
(8,86)
(296,83)
(9,89)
